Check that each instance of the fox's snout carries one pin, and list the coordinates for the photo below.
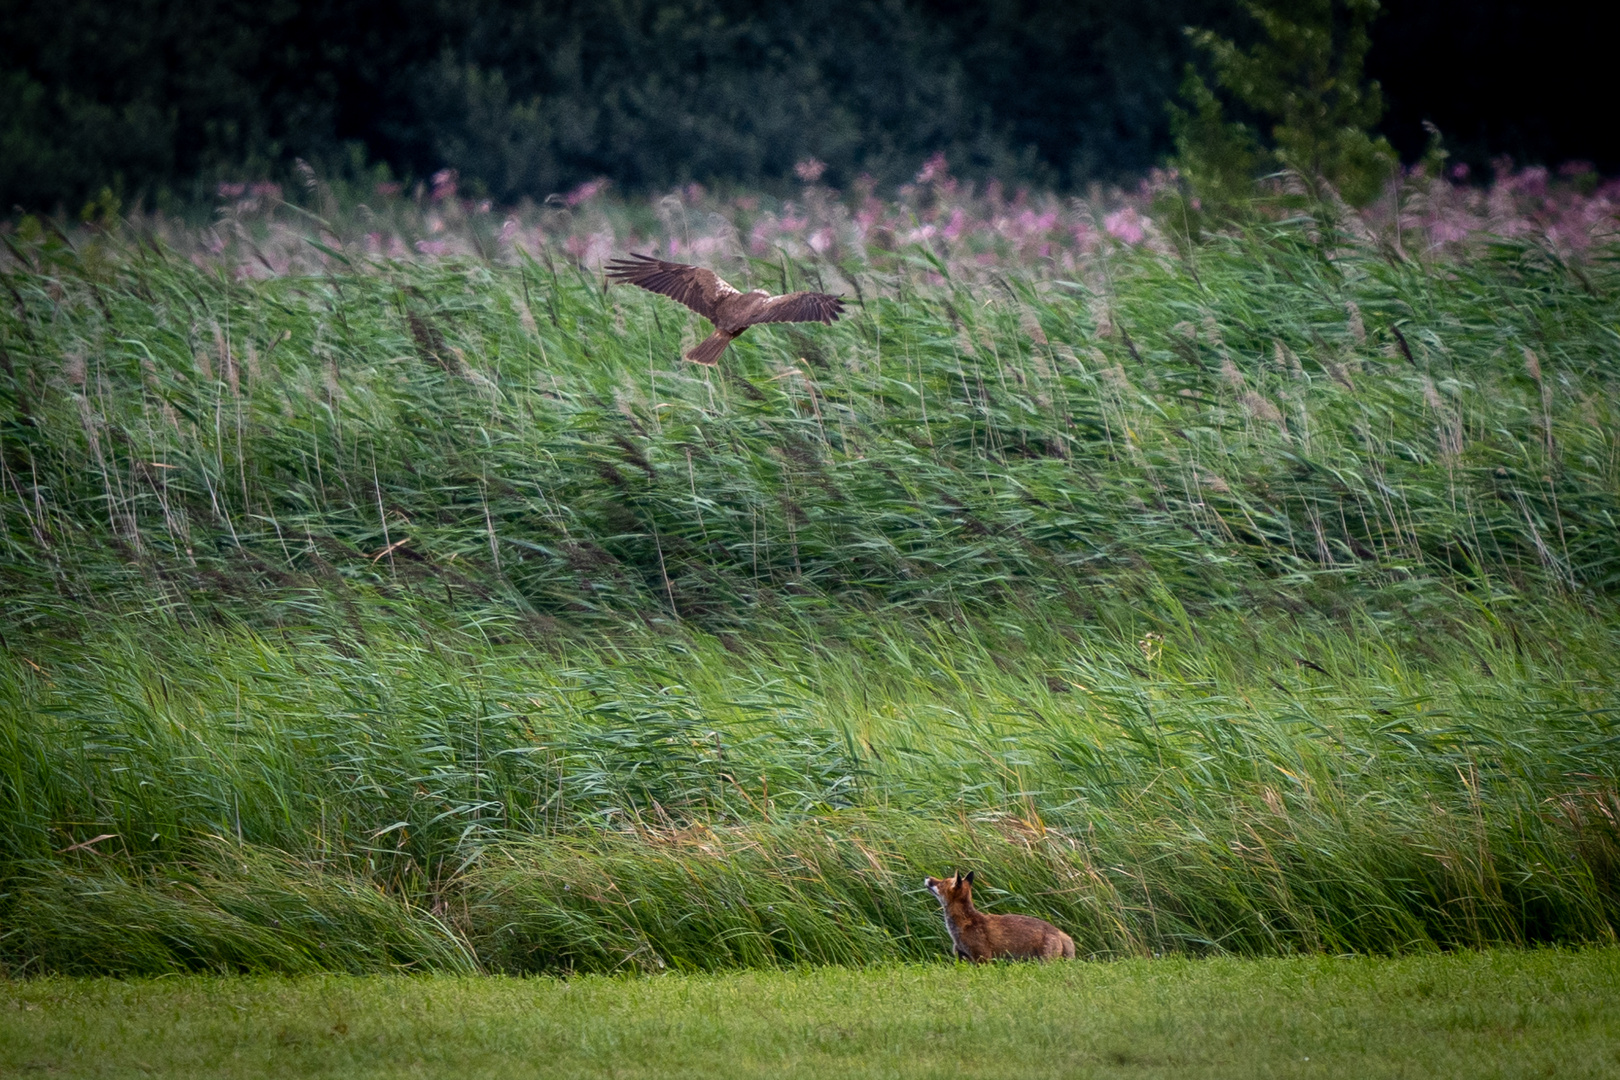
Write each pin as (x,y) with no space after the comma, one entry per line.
(944,887)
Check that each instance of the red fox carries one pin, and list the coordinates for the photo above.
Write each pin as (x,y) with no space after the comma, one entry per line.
(979,937)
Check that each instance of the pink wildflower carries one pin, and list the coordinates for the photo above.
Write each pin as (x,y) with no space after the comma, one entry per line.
(590,250)
(1531,182)
(933,169)
(587,191)
(444,184)
(1126,225)
(1448,230)
(763,232)
(1159,181)
(809,170)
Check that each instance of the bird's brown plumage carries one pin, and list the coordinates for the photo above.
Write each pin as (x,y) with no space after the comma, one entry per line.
(730,311)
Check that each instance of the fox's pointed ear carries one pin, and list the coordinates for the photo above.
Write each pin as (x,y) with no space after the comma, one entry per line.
(969,878)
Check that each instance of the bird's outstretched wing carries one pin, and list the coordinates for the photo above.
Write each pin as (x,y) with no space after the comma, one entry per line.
(697,288)
(799,307)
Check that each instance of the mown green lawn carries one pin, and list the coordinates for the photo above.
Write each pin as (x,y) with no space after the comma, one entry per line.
(1506,1013)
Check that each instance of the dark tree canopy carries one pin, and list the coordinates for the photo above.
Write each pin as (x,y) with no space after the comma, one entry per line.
(527,97)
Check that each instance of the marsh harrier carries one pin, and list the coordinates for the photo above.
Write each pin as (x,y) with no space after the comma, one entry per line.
(730,311)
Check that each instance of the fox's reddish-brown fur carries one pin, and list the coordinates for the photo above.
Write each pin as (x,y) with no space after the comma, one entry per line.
(979,937)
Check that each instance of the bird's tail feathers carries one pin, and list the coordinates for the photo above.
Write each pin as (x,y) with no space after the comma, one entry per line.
(709,349)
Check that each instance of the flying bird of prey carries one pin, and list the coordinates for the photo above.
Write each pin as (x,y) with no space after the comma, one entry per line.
(730,311)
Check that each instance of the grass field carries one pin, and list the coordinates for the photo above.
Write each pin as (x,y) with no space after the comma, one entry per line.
(1499,1014)
(1255,599)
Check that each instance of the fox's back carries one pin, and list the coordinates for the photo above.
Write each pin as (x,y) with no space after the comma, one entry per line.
(1026,937)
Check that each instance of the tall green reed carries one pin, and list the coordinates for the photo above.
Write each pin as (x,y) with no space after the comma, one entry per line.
(1259,600)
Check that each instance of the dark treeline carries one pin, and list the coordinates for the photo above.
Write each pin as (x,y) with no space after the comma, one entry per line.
(164,99)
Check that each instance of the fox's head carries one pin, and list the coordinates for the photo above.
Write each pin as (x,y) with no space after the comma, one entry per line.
(956,888)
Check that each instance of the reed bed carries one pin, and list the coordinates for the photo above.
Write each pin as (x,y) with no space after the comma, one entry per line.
(1255,596)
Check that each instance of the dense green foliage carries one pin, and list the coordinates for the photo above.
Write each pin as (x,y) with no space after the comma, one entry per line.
(162,101)
(1508,1013)
(1306,78)
(435,614)
(527,98)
